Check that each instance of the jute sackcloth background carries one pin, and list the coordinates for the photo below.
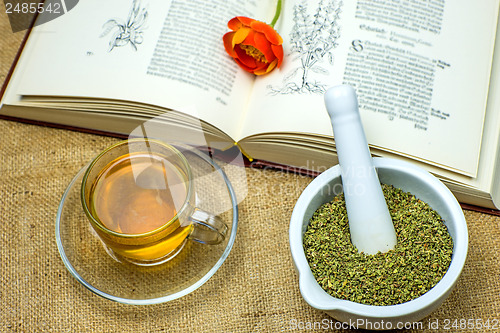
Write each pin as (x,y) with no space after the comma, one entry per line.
(255,290)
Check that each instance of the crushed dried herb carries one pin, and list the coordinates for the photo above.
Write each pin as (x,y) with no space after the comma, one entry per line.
(417,263)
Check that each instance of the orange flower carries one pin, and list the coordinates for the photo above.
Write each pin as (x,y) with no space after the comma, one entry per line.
(254,45)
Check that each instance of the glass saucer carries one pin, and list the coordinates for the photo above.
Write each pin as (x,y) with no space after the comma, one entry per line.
(86,259)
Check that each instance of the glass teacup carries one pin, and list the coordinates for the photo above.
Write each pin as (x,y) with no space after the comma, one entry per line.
(140,199)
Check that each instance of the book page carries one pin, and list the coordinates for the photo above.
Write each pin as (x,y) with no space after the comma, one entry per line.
(420,68)
(165,53)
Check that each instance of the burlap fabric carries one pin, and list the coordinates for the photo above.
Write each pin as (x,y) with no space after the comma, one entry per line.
(255,290)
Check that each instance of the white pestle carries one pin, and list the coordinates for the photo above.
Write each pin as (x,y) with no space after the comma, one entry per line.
(370,223)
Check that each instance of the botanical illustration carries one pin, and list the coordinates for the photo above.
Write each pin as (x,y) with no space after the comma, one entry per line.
(129,31)
(313,38)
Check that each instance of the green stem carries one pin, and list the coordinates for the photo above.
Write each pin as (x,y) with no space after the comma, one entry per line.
(277,14)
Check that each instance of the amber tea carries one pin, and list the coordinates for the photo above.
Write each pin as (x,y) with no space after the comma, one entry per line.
(126,206)
(137,194)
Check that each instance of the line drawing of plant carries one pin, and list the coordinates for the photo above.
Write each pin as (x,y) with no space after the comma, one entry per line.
(313,38)
(130,31)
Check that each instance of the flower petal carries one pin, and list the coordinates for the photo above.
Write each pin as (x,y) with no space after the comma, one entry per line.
(278,52)
(271,34)
(240,35)
(267,69)
(228,43)
(263,45)
(234,24)
(272,65)
(261,69)
(250,39)
(245,20)
(242,65)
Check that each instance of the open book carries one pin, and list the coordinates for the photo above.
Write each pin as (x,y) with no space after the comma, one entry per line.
(426,75)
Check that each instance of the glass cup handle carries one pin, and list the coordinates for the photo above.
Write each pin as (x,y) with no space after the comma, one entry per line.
(208,228)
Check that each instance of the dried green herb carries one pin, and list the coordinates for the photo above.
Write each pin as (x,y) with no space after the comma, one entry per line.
(417,263)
